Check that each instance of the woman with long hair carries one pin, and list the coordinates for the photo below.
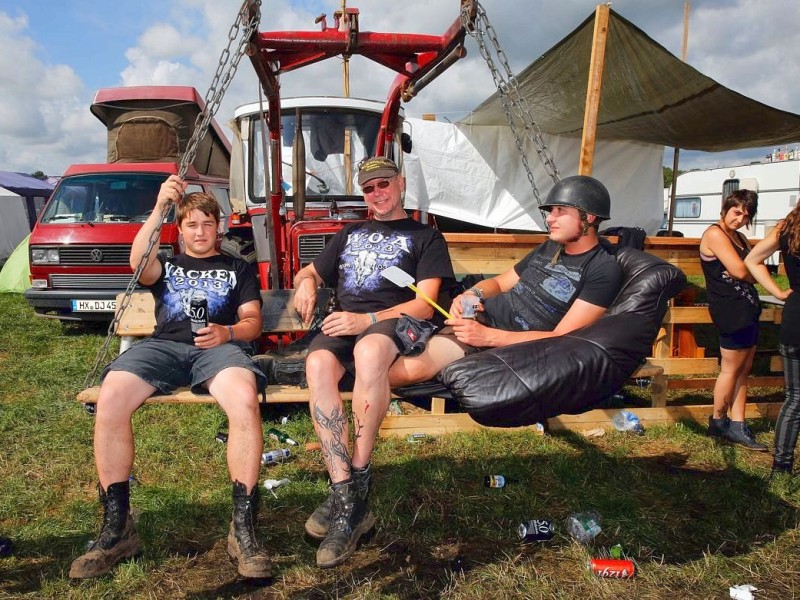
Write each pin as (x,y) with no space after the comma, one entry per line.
(735,308)
(786,238)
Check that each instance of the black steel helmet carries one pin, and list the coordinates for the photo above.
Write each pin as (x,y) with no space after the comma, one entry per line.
(582,192)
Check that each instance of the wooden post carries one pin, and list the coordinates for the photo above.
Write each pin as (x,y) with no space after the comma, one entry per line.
(677,151)
(594,89)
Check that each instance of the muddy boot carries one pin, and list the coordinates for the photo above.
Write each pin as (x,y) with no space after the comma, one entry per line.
(350,519)
(739,433)
(118,539)
(253,562)
(718,427)
(319,521)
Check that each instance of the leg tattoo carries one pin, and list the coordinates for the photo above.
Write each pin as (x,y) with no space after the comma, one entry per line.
(336,425)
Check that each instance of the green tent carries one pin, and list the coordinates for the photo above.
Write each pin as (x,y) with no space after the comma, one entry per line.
(15,276)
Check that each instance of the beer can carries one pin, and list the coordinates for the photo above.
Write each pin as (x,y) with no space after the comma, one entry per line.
(612,567)
(535,530)
(198,313)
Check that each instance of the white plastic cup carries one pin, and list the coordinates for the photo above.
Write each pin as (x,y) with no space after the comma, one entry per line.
(469,306)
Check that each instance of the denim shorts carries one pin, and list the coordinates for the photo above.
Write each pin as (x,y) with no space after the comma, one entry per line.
(168,365)
(741,339)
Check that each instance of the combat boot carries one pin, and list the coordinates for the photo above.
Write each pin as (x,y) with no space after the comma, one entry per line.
(252,561)
(318,523)
(118,538)
(350,519)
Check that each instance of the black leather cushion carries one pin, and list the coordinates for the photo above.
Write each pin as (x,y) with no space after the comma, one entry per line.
(530,382)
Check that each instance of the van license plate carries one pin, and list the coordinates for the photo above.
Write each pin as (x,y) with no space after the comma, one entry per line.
(94,305)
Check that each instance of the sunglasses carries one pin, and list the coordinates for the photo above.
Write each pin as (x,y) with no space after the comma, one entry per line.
(381,185)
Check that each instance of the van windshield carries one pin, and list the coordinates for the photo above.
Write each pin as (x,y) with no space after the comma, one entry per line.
(111,198)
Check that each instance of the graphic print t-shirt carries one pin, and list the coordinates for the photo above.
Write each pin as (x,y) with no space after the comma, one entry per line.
(226,283)
(354,258)
(545,292)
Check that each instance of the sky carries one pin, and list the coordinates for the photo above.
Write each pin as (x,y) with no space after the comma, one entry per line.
(57,53)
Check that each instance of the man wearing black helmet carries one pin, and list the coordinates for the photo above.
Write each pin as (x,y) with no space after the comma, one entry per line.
(562,285)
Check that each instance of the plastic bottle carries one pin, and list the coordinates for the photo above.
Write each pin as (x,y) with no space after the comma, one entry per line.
(275,456)
(584,526)
(281,437)
(625,420)
(497,481)
(272,484)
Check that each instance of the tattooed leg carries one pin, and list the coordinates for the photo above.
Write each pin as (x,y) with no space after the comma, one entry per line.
(373,354)
(323,372)
(332,431)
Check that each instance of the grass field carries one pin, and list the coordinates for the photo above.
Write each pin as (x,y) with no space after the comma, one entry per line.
(695,516)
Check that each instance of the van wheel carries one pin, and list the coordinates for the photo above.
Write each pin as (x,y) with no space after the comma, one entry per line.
(238,247)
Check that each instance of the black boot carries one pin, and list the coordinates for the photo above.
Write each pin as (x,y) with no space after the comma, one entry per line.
(781,469)
(739,433)
(253,562)
(718,427)
(118,539)
(350,519)
(318,523)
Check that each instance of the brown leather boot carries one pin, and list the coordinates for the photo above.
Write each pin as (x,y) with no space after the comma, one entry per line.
(253,562)
(118,538)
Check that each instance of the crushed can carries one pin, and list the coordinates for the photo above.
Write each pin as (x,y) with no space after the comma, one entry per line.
(535,530)
(615,568)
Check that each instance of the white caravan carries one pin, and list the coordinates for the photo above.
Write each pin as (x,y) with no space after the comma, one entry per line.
(699,195)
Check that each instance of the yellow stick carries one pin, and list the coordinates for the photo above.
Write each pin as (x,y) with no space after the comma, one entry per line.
(429,301)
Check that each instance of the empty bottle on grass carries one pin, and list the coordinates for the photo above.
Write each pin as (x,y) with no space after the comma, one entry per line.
(584,526)
(278,435)
(625,420)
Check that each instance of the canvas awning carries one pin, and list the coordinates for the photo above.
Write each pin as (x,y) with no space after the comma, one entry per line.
(648,95)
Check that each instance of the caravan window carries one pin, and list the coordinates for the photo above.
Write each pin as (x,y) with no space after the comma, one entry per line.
(687,208)
(729,186)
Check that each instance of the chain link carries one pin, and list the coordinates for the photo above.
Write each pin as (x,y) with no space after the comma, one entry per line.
(241,30)
(515,105)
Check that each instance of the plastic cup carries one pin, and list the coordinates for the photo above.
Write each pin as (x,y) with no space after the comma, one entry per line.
(469,306)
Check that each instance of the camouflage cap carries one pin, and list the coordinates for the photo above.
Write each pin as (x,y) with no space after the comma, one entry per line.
(377,166)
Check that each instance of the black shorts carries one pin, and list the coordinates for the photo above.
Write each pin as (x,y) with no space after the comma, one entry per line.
(342,346)
(741,339)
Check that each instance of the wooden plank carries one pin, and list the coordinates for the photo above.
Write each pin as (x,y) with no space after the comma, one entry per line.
(277,313)
(699,315)
(594,89)
(700,383)
(776,364)
(687,366)
(274,394)
(658,416)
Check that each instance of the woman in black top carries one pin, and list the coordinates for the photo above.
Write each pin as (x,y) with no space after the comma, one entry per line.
(735,308)
(786,237)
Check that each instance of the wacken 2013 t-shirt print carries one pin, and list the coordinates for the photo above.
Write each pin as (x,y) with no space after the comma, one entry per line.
(223,280)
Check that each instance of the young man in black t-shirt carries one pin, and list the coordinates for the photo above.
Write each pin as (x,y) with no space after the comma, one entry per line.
(212,359)
(360,339)
(565,284)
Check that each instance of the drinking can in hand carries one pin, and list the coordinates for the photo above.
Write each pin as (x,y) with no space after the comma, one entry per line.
(198,313)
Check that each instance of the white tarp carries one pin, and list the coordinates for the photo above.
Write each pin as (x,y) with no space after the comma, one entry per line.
(13,222)
(475,174)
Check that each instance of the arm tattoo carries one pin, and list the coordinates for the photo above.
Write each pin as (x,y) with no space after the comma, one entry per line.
(336,424)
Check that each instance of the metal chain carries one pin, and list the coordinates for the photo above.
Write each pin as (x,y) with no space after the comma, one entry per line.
(242,30)
(514,103)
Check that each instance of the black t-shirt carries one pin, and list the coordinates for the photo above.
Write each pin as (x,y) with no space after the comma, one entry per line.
(226,282)
(353,260)
(790,322)
(545,291)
